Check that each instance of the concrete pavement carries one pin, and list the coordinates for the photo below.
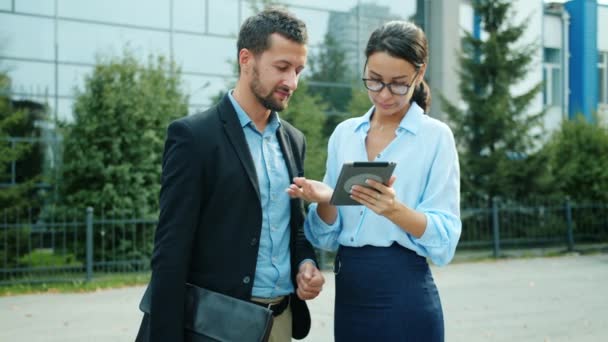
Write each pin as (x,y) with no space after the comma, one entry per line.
(539,299)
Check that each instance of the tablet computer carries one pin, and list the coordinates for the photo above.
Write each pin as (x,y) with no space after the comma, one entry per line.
(355,173)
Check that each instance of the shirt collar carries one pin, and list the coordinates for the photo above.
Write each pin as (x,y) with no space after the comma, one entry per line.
(274,121)
(410,122)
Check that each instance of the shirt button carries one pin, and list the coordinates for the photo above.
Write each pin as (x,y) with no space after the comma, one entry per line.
(246,280)
(361,213)
(352,239)
(254,241)
(274,259)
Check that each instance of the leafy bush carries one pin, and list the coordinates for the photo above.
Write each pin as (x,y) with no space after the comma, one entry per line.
(46,257)
(113,148)
(578,161)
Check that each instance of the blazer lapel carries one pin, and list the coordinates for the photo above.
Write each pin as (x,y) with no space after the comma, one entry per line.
(236,136)
(288,153)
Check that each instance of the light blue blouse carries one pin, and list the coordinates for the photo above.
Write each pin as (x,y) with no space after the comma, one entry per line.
(428,181)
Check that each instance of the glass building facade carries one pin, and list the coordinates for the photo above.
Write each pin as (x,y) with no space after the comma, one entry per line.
(50,46)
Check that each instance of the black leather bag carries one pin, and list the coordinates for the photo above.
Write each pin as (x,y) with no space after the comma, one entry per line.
(212,316)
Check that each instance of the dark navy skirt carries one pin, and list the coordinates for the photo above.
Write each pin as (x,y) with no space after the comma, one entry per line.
(385,294)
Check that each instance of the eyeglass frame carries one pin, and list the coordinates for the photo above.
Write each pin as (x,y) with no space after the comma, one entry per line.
(390,84)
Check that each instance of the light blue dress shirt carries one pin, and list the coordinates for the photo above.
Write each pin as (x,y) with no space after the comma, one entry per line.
(273,268)
(428,181)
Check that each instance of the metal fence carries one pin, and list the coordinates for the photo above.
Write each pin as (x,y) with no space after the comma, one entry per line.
(496,224)
(51,246)
(76,245)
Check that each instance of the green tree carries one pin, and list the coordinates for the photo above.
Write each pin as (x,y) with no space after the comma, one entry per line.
(306,112)
(113,148)
(495,130)
(577,159)
(330,75)
(359,102)
(358,105)
(331,79)
(19,202)
(12,119)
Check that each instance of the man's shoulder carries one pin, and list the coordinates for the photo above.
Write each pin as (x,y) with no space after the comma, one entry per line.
(200,120)
(292,130)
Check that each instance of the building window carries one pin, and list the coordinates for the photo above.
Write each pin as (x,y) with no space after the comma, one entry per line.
(552,76)
(602,68)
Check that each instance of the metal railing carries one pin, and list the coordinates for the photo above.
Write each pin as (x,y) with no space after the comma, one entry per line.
(75,245)
(55,246)
(496,224)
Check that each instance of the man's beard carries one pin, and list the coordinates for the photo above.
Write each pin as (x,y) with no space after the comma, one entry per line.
(267,101)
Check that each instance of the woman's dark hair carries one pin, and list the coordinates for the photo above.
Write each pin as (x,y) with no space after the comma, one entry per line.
(402,39)
(256,30)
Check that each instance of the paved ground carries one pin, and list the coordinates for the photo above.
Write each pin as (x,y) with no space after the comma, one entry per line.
(541,299)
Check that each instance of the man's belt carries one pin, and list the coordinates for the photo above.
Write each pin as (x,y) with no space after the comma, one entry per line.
(277,308)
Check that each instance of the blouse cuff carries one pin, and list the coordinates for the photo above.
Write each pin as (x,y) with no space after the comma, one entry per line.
(431,236)
(318,225)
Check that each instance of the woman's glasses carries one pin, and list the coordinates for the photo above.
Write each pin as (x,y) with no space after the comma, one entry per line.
(395,88)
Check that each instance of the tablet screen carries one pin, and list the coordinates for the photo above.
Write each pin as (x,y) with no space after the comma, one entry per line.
(355,173)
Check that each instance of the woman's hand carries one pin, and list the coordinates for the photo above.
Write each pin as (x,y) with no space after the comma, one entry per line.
(310,190)
(379,198)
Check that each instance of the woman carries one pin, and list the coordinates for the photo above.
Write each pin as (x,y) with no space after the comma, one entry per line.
(384,287)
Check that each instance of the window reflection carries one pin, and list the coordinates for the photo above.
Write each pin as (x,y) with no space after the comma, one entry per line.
(64,109)
(189,15)
(603,77)
(205,54)
(76,43)
(44,7)
(26,37)
(401,9)
(552,92)
(32,78)
(5,5)
(204,42)
(203,91)
(556,86)
(223,17)
(466,18)
(197,87)
(603,98)
(72,78)
(135,12)
(316,23)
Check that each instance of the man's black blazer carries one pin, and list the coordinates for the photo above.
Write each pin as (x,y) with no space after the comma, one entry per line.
(211,217)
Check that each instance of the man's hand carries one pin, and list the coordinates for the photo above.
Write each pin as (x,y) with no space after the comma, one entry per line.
(310,281)
(310,190)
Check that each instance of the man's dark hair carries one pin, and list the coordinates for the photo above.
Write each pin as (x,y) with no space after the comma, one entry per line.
(256,30)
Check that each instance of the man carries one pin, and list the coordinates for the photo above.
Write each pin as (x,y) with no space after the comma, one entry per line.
(226,222)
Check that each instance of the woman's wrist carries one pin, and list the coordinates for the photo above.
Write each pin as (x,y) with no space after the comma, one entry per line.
(397,211)
(327,212)
(408,219)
